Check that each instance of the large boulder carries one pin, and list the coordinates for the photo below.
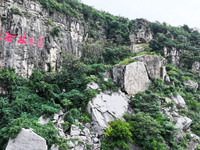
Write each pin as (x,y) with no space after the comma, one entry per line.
(105,107)
(179,101)
(133,77)
(27,140)
(196,67)
(183,123)
(191,84)
(155,65)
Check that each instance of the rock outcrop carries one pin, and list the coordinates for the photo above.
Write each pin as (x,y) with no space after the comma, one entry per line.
(191,84)
(155,65)
(78,137)
(33,23)
(142,37)
(27,140)
(135,77)
(106,107)
(196,67)
(173,53)
(84,138)
(179,101)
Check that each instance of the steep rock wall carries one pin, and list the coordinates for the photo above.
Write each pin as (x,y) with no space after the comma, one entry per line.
(33,21)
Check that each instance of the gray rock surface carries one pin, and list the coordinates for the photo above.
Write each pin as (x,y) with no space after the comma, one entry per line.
(141,37)
(155,65)
(173,53)
(43,120)
(183,123)
(191,84)
(133,77)
(196,67)
(179,101)
(74,130)
(27,140)
(106,107)
(93,86)
(27,57)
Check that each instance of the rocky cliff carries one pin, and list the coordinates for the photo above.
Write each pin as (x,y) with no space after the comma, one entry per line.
(29,17)
(133,85)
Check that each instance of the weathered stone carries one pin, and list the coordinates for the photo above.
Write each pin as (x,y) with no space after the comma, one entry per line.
(86,131)
(191,84)
(93,86)
(53,147)
(196,67)
(80,147)
(27,140)
(74,130)
(24,58)
(70,144)
(154,65)
(179,101)
(168,100)
(142,36)
(133,77)
(193,142)
(96,140)
(183,123)
(173,53)
(55,117)
(43,120)
(105,108)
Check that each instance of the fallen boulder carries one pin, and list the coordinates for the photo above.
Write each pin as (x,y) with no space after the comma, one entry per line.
(27,140)
(191,84)
(105,107)
(133,77)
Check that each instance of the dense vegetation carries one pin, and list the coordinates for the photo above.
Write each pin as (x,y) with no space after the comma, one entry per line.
(116,28)
(149,128)
(44,93)
(181,38)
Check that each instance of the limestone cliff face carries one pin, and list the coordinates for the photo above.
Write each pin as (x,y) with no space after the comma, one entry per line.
(141,35)
(33,21)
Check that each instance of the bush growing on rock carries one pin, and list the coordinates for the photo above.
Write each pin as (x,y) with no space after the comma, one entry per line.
(118,134)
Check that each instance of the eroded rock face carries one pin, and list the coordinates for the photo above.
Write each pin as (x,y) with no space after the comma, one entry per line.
(35,24)
(135,77)
(141,37)
(27,140)
(183,123)
(155,65)
(174,54)
(196,67)
(106,107)
(191,84)
(179,101)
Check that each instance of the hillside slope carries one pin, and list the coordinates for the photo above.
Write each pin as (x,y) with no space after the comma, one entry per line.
(84,79)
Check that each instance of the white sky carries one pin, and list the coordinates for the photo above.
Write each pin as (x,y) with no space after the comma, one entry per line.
(173,12)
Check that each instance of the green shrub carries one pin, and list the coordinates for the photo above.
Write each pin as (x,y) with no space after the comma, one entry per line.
(49,22)
(55,31)
(118,134)
(16,11)
(127,61)
(147,131)
(71,115)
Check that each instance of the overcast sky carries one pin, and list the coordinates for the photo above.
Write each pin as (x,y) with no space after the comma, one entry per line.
(173,12)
